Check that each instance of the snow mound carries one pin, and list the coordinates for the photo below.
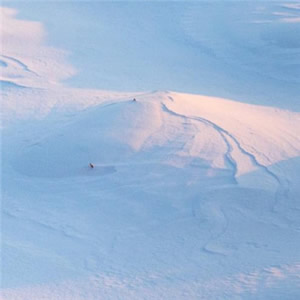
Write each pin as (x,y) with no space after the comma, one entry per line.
(104,134)
(171,128)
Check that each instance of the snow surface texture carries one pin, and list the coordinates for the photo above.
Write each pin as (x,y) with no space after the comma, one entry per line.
(190,197)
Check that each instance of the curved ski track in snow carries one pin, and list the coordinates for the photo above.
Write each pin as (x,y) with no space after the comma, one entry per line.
(229,139)
(282,188)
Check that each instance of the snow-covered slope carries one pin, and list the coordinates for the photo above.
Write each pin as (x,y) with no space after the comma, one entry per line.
(190,197)
(242,50)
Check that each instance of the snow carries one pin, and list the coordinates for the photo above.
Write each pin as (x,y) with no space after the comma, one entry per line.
(195,190)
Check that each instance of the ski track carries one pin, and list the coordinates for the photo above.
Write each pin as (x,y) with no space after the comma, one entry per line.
(282,186)
(218,235)
(228,156)
(218,212)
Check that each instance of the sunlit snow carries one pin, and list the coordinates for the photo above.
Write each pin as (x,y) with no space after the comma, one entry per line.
(189,114)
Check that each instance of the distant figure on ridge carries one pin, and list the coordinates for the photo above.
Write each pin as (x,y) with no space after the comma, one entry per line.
(91,166)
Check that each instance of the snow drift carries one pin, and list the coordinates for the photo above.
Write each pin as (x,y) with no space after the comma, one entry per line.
(190,197)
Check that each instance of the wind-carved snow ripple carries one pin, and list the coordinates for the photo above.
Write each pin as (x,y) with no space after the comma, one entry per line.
(216,210)
(230,160)
(210,209)
(227,136)
(14,71)
(9,60)
(281,191)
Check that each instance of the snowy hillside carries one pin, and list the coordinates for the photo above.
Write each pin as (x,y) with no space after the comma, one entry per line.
(190,197)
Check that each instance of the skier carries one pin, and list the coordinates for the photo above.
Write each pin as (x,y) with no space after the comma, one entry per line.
(134,100)
(91,166)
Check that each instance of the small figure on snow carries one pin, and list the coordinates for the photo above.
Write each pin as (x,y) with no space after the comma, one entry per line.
(91,166)
(134,100)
